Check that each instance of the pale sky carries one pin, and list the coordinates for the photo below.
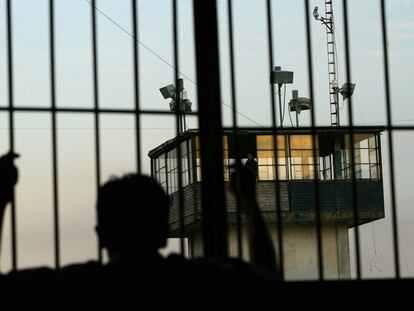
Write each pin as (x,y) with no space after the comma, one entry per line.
(74,89)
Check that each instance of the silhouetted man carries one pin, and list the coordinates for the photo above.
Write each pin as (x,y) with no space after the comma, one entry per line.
(251,164)
(132,227)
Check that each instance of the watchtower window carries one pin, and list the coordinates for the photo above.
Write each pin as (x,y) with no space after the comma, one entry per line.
(366,157)
(302,156)
(160,171)
(266,157)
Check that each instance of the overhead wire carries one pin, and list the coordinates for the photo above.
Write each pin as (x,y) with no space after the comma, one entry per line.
(163,59)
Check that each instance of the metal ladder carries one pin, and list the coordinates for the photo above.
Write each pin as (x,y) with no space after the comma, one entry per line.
(332,67)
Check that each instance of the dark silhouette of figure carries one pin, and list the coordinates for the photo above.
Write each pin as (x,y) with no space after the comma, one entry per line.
(251,164)
(132,213)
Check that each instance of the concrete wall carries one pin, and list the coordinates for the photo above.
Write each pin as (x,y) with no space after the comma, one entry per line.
(300,250)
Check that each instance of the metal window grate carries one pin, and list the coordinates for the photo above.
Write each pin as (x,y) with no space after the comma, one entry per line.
(213,198)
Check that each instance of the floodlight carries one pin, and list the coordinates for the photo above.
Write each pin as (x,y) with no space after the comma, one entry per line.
(280,76)
(168,91)
(298,104)
(172,105)
(178,94)
(185,105)
(315,13)
(347,90)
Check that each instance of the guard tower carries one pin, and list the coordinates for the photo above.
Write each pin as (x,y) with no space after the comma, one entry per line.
(296,174)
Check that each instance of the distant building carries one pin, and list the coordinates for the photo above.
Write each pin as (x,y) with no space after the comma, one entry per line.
(295,183)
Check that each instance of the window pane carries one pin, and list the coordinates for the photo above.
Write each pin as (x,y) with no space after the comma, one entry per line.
(372,142)
(302,160)
(197,142)
(266,172)
(266,142)
(225,143)
(363,156)
(361,140)
(302,153)
(373,156)
(198,173)
(301,142)
(271,154)
(374,171)
(362,171)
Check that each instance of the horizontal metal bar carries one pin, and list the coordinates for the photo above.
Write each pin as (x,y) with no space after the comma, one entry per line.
(322,128)
(91,110)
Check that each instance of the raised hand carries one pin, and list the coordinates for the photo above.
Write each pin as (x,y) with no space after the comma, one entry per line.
(8,178)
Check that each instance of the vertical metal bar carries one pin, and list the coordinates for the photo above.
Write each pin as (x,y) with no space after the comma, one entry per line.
(54,139)
(187,146)
(11,127)
(352,141)
(208,81)
(290,161)
(390,141)
(136,83)
(195,187)
(152,168)
(275,147)
(234,118)
(178,118)
(166,172)
(96,106)
(312,111)
(379,155)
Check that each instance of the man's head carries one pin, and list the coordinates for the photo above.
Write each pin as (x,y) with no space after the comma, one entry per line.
(132,215)
(250,156)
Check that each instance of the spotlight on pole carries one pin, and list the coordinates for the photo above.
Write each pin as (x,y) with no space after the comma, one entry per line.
(346,90)
(299,104)
(181,104)
(315,13)
(168,91)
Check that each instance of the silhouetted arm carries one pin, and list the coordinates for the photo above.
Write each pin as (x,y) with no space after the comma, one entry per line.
(8,179)
(260,243)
